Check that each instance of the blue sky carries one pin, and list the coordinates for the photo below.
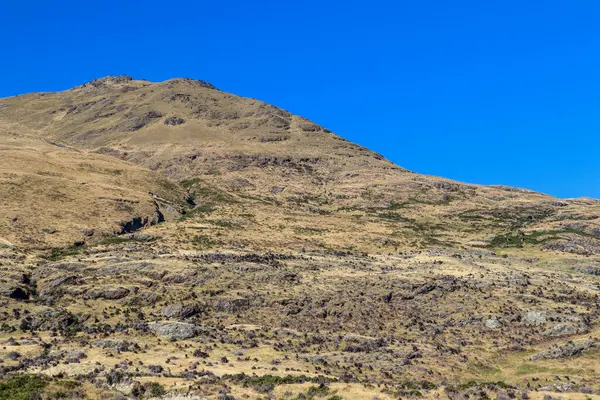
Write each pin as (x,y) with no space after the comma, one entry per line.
(491,92)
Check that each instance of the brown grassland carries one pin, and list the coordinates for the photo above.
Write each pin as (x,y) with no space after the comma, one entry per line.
(170,240)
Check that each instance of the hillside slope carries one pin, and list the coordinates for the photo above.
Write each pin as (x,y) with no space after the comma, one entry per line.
(170,237)
(242,157)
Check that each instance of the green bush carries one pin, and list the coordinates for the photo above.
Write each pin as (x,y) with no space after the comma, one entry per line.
(154,389)
(22,387)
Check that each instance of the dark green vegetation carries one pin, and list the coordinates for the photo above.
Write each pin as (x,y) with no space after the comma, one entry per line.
(520,239)
(22,387)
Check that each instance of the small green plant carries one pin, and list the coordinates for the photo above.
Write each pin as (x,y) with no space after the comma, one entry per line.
(154,389)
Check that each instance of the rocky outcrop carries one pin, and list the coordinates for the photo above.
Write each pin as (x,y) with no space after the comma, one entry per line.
(117,344)
(232,306)
(50,320)
(182,311)
(107,292)
(174,330)
(566,329)
(568,349)
(135,123)
(138,223)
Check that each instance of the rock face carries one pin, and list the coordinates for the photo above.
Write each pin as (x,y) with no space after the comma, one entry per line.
(174,330)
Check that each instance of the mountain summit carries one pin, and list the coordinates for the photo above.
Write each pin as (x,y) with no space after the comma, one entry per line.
(186,238)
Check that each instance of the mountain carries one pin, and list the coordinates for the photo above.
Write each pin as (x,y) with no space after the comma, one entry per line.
(185,238)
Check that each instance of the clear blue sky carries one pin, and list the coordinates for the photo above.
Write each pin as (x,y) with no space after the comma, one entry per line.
(492,92)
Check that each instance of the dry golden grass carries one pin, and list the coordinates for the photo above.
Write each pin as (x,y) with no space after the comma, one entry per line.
(298,253)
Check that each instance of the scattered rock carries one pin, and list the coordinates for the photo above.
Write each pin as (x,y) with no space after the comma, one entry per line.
(173,120)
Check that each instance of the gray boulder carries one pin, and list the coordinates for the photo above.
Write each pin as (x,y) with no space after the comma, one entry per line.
(534,318)
(493,323)
(174,330)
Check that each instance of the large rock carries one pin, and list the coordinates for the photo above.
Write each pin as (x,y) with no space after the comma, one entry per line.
(174,330)
(534,318)
(182,310)
(493,323)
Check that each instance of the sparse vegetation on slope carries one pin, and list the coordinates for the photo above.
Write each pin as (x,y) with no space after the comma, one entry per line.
(169,239)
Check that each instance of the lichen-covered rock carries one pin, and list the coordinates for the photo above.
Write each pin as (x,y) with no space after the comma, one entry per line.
(174,330)
(117,344)
(535,318)
(565,329)
(493,323)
